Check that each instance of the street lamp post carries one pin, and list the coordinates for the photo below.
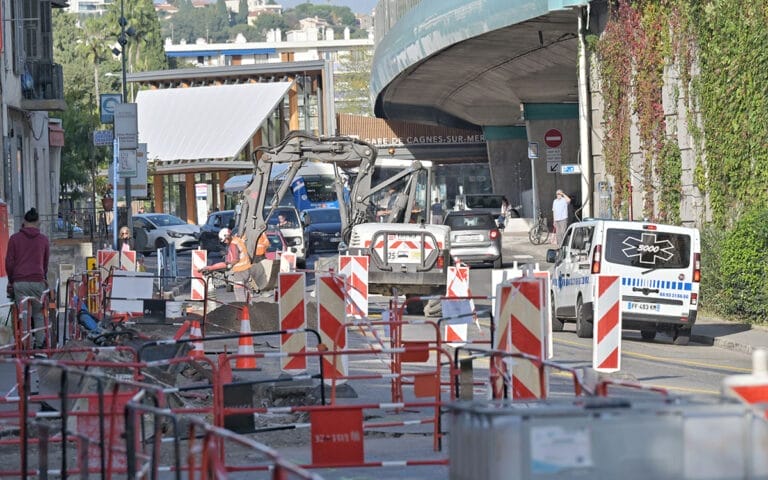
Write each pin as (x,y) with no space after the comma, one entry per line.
(123,40)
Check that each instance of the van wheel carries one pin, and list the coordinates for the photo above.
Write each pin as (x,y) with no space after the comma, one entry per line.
(557,324)
(648,334)
(583,326)
(682,336)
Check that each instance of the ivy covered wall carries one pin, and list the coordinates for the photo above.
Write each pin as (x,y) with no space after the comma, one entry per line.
(683,88)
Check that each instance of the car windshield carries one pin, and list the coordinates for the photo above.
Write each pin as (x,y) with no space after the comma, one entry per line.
(288,215)
(165,220)
(648,249)
(483,201)
(330,215)
(460,222)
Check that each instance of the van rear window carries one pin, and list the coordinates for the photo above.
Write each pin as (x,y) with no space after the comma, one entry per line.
(647,249)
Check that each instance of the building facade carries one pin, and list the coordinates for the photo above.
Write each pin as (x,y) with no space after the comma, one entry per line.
(32,86)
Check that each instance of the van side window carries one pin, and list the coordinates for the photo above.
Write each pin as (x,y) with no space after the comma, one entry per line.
(582,239)
(566,240)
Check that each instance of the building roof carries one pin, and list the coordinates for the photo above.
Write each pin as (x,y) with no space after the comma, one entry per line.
(200,123)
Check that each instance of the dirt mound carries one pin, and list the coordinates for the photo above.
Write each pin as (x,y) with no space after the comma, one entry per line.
(264,315)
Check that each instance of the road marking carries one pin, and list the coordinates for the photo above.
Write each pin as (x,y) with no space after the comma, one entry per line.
(675,361)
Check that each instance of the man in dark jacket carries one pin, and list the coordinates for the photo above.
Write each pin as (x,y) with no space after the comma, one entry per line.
(27,265)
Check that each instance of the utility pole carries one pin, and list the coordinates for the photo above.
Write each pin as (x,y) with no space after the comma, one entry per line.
(123,40)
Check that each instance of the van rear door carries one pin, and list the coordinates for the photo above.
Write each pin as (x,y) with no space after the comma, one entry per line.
(656,268)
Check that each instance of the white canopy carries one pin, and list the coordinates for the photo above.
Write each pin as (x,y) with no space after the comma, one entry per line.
(196,123)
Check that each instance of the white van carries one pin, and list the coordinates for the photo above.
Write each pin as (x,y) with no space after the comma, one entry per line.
(659,266)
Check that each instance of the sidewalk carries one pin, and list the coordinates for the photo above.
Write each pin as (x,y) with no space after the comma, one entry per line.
(708,330)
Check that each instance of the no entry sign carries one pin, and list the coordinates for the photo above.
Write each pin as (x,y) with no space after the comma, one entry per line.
(553,138)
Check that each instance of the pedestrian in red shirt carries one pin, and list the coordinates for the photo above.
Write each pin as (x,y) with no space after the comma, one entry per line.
(27,265)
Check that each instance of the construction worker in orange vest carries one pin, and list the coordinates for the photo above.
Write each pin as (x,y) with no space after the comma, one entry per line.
(237,261)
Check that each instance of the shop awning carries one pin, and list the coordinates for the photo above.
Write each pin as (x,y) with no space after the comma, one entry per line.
(197,123)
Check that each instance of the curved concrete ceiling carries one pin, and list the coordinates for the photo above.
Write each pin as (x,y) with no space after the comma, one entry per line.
(482,80)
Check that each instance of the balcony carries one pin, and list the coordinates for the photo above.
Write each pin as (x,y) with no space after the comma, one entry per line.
(42,86)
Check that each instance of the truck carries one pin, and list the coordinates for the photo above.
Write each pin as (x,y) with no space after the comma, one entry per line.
(407,255)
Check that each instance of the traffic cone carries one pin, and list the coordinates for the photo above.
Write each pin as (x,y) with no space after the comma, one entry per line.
(245,345)
(198,351)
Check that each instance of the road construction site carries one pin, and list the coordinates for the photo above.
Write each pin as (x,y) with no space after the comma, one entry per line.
(141,382)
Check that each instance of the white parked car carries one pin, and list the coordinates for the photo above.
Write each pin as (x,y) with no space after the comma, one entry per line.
(157,230)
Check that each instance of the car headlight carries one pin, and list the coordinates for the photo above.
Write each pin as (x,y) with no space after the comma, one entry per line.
(316,234)
(173,234)
(293,241)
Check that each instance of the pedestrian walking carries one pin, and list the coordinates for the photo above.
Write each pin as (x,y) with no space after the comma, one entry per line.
(501,221)
(560,214)
(27,265)
(437,212)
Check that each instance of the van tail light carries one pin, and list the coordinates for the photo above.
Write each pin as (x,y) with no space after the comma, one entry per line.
(694,299)
(494,234)
(440,262)
(696,267)
(597,258)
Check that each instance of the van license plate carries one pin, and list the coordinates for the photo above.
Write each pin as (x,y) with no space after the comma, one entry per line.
(643,307)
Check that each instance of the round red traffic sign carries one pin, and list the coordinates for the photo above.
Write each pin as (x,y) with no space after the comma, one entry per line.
(553,138)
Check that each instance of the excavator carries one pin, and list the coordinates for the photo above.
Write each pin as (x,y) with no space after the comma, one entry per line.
(407,255)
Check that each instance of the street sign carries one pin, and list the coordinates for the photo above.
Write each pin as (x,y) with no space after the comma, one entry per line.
(553,167)
(553,138)
(102,138)
(127,126)
(107,102)
(127,164)
(570,169)
(533,150)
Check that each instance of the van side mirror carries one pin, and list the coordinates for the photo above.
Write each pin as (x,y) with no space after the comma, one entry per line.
(552,255)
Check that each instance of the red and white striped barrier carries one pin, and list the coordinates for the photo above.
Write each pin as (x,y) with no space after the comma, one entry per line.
(330,319)
(457,285)
(751,388)
(197,285)
(355,268)
(287,262)
(606,340)
(502,339)
(526,325)
(128,260)
(546,309)
(106,261)
(293,316)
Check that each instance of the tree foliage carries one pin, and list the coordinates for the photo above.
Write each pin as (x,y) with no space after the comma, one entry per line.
(90,68)
(717,50)
(191,23)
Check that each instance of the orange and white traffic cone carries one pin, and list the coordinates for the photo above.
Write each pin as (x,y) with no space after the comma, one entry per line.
(245,345)
(198,351)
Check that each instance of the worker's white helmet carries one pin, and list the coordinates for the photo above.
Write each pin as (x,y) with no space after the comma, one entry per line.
(223,234)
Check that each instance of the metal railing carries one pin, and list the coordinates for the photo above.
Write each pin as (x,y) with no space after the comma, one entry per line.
(84,223)
(47,80)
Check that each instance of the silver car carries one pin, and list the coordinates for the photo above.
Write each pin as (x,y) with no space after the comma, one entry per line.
(475,238)
(157,230)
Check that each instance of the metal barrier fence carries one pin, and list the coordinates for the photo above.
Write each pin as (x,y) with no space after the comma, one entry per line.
(84,223)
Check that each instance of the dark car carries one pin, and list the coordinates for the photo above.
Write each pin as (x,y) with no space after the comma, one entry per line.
(322,229)
(209,232)
(475,238)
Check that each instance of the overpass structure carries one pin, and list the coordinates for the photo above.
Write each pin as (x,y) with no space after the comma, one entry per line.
(512,68)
